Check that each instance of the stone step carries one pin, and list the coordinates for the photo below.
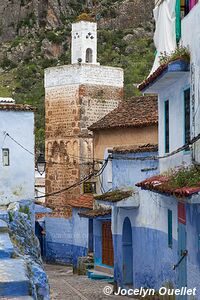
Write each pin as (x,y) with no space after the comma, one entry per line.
(3,226)
(6,247)
(13,279)
(18,298)
(4,215)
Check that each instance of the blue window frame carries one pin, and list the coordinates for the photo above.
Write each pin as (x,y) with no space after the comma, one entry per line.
(170,234)
(166,109)
(187,117)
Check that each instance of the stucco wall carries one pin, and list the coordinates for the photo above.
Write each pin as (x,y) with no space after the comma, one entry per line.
(66,239)
(109,138)
(175,95)
(193,247)
(81,41)
(84,74)
(17,179)
(191,39)
(152,258)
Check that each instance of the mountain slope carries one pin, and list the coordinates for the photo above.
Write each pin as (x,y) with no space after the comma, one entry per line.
(36,34)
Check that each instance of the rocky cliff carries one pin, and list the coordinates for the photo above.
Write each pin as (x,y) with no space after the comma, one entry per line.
(35,34)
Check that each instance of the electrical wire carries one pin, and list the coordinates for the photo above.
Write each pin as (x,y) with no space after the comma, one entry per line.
(98,173)
(180,149)
(72,156)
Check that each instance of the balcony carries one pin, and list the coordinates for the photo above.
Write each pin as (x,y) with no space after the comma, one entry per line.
(164,76)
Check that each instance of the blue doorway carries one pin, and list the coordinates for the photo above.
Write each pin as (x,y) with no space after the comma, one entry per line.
(127,251)
(182,248)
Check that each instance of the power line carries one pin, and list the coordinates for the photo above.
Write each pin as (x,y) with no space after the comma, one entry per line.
(180,149)
(69,155)
(7,134)
(98,173)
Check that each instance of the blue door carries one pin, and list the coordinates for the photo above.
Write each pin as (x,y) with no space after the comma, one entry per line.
(127,253)
(182,247)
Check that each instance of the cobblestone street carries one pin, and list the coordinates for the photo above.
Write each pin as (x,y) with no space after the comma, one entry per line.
(66,286)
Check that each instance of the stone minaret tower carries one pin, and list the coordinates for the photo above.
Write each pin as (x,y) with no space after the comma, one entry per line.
(76,96)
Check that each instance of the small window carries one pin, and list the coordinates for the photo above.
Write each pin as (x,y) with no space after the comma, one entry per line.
(109,171)
(187,116)
(89,55)
(170,235)
(166,126)
(89,187)
(5,157)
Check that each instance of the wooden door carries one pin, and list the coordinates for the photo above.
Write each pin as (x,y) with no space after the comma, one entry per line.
(107,244)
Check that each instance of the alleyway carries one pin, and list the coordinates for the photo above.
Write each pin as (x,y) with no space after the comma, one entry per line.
(66,286)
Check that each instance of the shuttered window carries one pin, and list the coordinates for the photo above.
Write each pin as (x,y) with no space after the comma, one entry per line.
(5,157)
(166,126)
(187,116)
(170,236)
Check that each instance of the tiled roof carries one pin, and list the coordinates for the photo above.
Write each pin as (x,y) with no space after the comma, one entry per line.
(95,213)
(114,196)
(84,201)
(17,107)
(135,148)
(136,112)
(152,77)
(161,184)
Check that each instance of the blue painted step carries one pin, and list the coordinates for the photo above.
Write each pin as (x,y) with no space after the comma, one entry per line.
(13,279)
(6,247)
(4,215)
(95,275)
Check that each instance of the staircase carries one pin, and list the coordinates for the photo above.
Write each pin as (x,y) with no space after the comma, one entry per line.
(14,282)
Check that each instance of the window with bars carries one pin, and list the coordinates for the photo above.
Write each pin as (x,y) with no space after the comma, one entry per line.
(166,110)
(187,116)
(5,157)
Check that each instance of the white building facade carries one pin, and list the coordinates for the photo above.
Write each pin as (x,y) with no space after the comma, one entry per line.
(177,83)
(17,152)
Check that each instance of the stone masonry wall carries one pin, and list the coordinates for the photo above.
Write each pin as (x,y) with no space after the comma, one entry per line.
(70,109)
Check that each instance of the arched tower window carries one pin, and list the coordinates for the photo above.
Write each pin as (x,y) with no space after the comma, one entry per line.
(89,55)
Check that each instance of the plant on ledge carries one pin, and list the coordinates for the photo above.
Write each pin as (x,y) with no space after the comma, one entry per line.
(84,17)
(184,177)
(181,52)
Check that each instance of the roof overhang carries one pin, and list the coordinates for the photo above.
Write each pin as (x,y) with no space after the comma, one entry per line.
(165,76)
(100,214)
(130,202)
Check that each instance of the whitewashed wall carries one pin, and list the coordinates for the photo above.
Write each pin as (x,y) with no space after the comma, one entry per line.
(175,95)
(83,74)
(191,38)
(17,179)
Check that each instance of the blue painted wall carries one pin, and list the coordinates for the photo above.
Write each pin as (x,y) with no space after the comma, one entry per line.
(97,242)
(66,239)
(126,173)
(153,259)
(193,246)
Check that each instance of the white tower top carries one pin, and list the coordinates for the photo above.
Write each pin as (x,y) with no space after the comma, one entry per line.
(84,42)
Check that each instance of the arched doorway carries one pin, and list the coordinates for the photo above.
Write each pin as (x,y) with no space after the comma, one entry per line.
(88,58)
(127,251)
